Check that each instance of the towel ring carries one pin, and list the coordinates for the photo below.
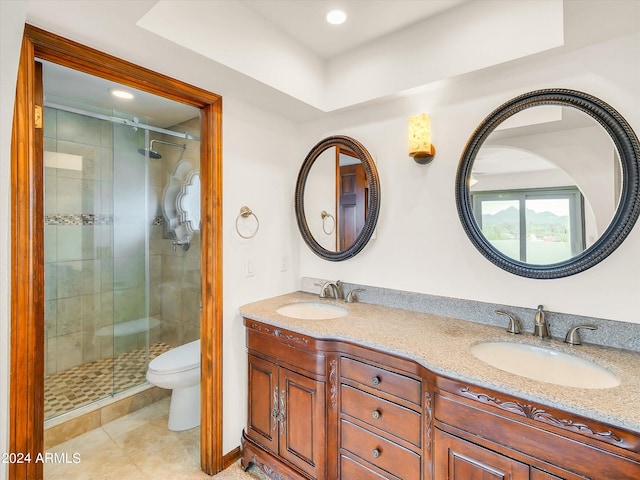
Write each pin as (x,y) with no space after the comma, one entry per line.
(244,213)
(324,216)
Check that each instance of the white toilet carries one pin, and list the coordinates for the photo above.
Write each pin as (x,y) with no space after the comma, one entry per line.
(179,370)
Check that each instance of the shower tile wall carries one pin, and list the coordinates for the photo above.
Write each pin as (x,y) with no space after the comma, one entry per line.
(94,266)
(78,245)
(174,274)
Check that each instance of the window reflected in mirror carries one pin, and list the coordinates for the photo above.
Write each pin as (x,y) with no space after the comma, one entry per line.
(539,226)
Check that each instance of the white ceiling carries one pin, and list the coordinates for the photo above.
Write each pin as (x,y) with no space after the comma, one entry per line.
(416,47)
(304,20)
(281,55)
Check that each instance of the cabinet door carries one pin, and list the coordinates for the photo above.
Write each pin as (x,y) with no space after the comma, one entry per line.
(262,422)
(457,459)
(303,429)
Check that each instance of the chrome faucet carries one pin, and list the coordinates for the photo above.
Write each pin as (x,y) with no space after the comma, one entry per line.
(541,324)
(332,290)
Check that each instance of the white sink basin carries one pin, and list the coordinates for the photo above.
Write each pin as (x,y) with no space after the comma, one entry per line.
(544,365)
(312,311)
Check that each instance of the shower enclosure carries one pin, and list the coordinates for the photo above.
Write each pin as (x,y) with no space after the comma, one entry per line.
(117,290)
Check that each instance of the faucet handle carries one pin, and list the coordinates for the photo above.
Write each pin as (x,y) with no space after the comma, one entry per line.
(514,324)
(352,295)
(573,335)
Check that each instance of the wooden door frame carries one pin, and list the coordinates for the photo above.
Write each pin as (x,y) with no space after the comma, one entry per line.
(26,387)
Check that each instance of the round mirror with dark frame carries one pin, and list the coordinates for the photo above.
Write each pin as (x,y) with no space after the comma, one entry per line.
(547,186)
(337,198)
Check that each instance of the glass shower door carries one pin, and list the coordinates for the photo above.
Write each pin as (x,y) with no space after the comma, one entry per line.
(131,228)
(78,260)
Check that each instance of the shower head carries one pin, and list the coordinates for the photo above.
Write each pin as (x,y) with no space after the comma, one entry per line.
(154,154)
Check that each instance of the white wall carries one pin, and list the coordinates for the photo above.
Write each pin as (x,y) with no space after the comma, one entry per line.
(260,171)
(12,17)
(420,244)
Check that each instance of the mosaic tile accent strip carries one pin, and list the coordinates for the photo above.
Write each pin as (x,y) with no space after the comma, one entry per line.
(78,219)
(84,384)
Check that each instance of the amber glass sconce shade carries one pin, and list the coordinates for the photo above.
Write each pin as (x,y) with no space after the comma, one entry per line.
(419,140)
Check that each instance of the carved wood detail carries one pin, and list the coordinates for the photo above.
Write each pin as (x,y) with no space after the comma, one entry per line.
(539,414)
(428,419)
(279,333)
(333,383)
(268,471)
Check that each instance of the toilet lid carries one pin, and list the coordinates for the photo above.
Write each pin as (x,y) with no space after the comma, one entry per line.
(184,357)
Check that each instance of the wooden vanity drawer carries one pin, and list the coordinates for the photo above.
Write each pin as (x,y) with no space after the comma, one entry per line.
(351,469)
(380,379)
(380,452)
(380,413)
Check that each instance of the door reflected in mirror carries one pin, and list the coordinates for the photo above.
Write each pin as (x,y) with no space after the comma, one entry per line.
(545,184)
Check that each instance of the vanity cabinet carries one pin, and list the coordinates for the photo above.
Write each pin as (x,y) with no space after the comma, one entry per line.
(479,433)
(286,410)
(380,422)
(287,413)
(326,410)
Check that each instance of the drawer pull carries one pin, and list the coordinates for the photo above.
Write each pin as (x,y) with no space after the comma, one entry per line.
(375,380)
(376,414)
(375,453)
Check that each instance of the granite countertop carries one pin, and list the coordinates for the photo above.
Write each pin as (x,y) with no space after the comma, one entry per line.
(442,345)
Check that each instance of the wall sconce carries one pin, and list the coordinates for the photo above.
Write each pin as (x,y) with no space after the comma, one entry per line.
(420,147)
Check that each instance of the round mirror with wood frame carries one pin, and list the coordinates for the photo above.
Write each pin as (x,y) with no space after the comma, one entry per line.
(622,185)
(337,198)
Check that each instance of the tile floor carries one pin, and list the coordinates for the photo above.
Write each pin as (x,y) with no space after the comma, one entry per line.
(137,446)
(81,385)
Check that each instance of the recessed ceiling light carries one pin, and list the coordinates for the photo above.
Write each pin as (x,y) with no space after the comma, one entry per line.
(123,94)
(336,17)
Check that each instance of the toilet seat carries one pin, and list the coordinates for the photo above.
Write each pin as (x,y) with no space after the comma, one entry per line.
(179,359)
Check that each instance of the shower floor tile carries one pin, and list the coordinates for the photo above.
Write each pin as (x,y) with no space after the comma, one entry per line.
(84,384)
